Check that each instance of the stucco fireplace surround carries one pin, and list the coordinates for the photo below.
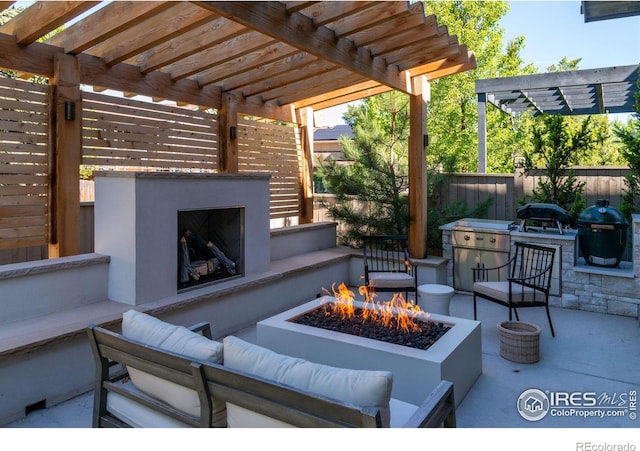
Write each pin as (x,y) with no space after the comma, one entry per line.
(136,224)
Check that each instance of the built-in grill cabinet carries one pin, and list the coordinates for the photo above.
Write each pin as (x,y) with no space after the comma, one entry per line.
(478,243)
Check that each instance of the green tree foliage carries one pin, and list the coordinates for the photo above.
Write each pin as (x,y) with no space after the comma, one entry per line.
(377,180)
(629,136)
(557,147)
(453,110)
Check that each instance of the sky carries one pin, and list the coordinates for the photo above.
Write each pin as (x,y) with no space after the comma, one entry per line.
(553,30)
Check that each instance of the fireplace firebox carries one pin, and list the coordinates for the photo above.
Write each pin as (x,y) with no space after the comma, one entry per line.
(210,245)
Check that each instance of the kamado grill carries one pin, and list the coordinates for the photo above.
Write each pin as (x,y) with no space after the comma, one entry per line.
(602,234)
(478,243)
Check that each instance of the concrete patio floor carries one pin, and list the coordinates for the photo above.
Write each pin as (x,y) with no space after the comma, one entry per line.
(593,354)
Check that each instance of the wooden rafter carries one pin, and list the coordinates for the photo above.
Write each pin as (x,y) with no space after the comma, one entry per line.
(298,30)
(42,18)
(217,31)
(254,67)
(168,24)
(565,99)
(107,22)
(278,54)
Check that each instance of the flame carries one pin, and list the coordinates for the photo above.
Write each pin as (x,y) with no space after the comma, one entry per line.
(396,312)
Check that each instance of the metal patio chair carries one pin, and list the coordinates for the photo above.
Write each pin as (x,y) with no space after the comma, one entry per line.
(527,285)
(387,267)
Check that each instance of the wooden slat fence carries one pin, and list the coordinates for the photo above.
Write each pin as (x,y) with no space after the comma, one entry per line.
(273,149)
(24,164)
(131,134)
(508,189)
(473,189)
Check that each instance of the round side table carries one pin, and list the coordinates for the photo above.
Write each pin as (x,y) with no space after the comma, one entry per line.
(434,298)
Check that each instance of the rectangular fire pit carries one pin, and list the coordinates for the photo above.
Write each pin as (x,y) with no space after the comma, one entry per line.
(456,356)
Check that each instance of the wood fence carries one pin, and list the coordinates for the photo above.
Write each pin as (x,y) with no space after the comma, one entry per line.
(509,191)
(24,164)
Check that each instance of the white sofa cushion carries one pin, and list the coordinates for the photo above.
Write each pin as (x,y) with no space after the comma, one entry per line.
(362,388)
(178,339)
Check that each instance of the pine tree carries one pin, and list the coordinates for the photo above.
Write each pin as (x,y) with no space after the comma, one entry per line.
(555,149)
(372,192)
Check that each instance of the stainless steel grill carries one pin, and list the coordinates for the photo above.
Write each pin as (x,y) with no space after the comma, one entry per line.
(478,243)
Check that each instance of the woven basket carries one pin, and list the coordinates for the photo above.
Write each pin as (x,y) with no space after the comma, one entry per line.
(519,342)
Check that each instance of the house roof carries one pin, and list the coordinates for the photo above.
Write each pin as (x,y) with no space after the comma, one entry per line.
(332,133)
(269,56)
(590,91)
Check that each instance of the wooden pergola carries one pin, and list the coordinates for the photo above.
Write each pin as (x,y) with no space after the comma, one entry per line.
(607,90)
(277,60)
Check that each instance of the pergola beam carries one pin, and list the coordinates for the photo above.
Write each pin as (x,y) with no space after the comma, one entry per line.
(298,30)
(579,92)
(564,99)
(531,101)
(42,18)
(107,22)
(600,98)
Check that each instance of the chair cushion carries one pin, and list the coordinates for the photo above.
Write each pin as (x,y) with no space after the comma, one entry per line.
(136,414)
(391,280)
(500,291)
(154,332)
(362,388)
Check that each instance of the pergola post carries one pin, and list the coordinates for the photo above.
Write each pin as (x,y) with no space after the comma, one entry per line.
(304,116)
(418,142)
(228,120)
(66,128)
(482,132)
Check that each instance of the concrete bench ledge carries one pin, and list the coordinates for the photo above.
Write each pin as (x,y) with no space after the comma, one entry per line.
(20,337)
(15,270)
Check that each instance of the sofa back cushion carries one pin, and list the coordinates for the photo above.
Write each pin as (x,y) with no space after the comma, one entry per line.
(362,388)
(178,339)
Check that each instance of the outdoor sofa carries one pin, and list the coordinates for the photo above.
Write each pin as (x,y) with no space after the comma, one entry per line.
(156,374)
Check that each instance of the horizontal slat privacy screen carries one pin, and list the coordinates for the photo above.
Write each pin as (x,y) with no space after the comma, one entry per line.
(127,134)
(24,163)
(132,134)
(273,149)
